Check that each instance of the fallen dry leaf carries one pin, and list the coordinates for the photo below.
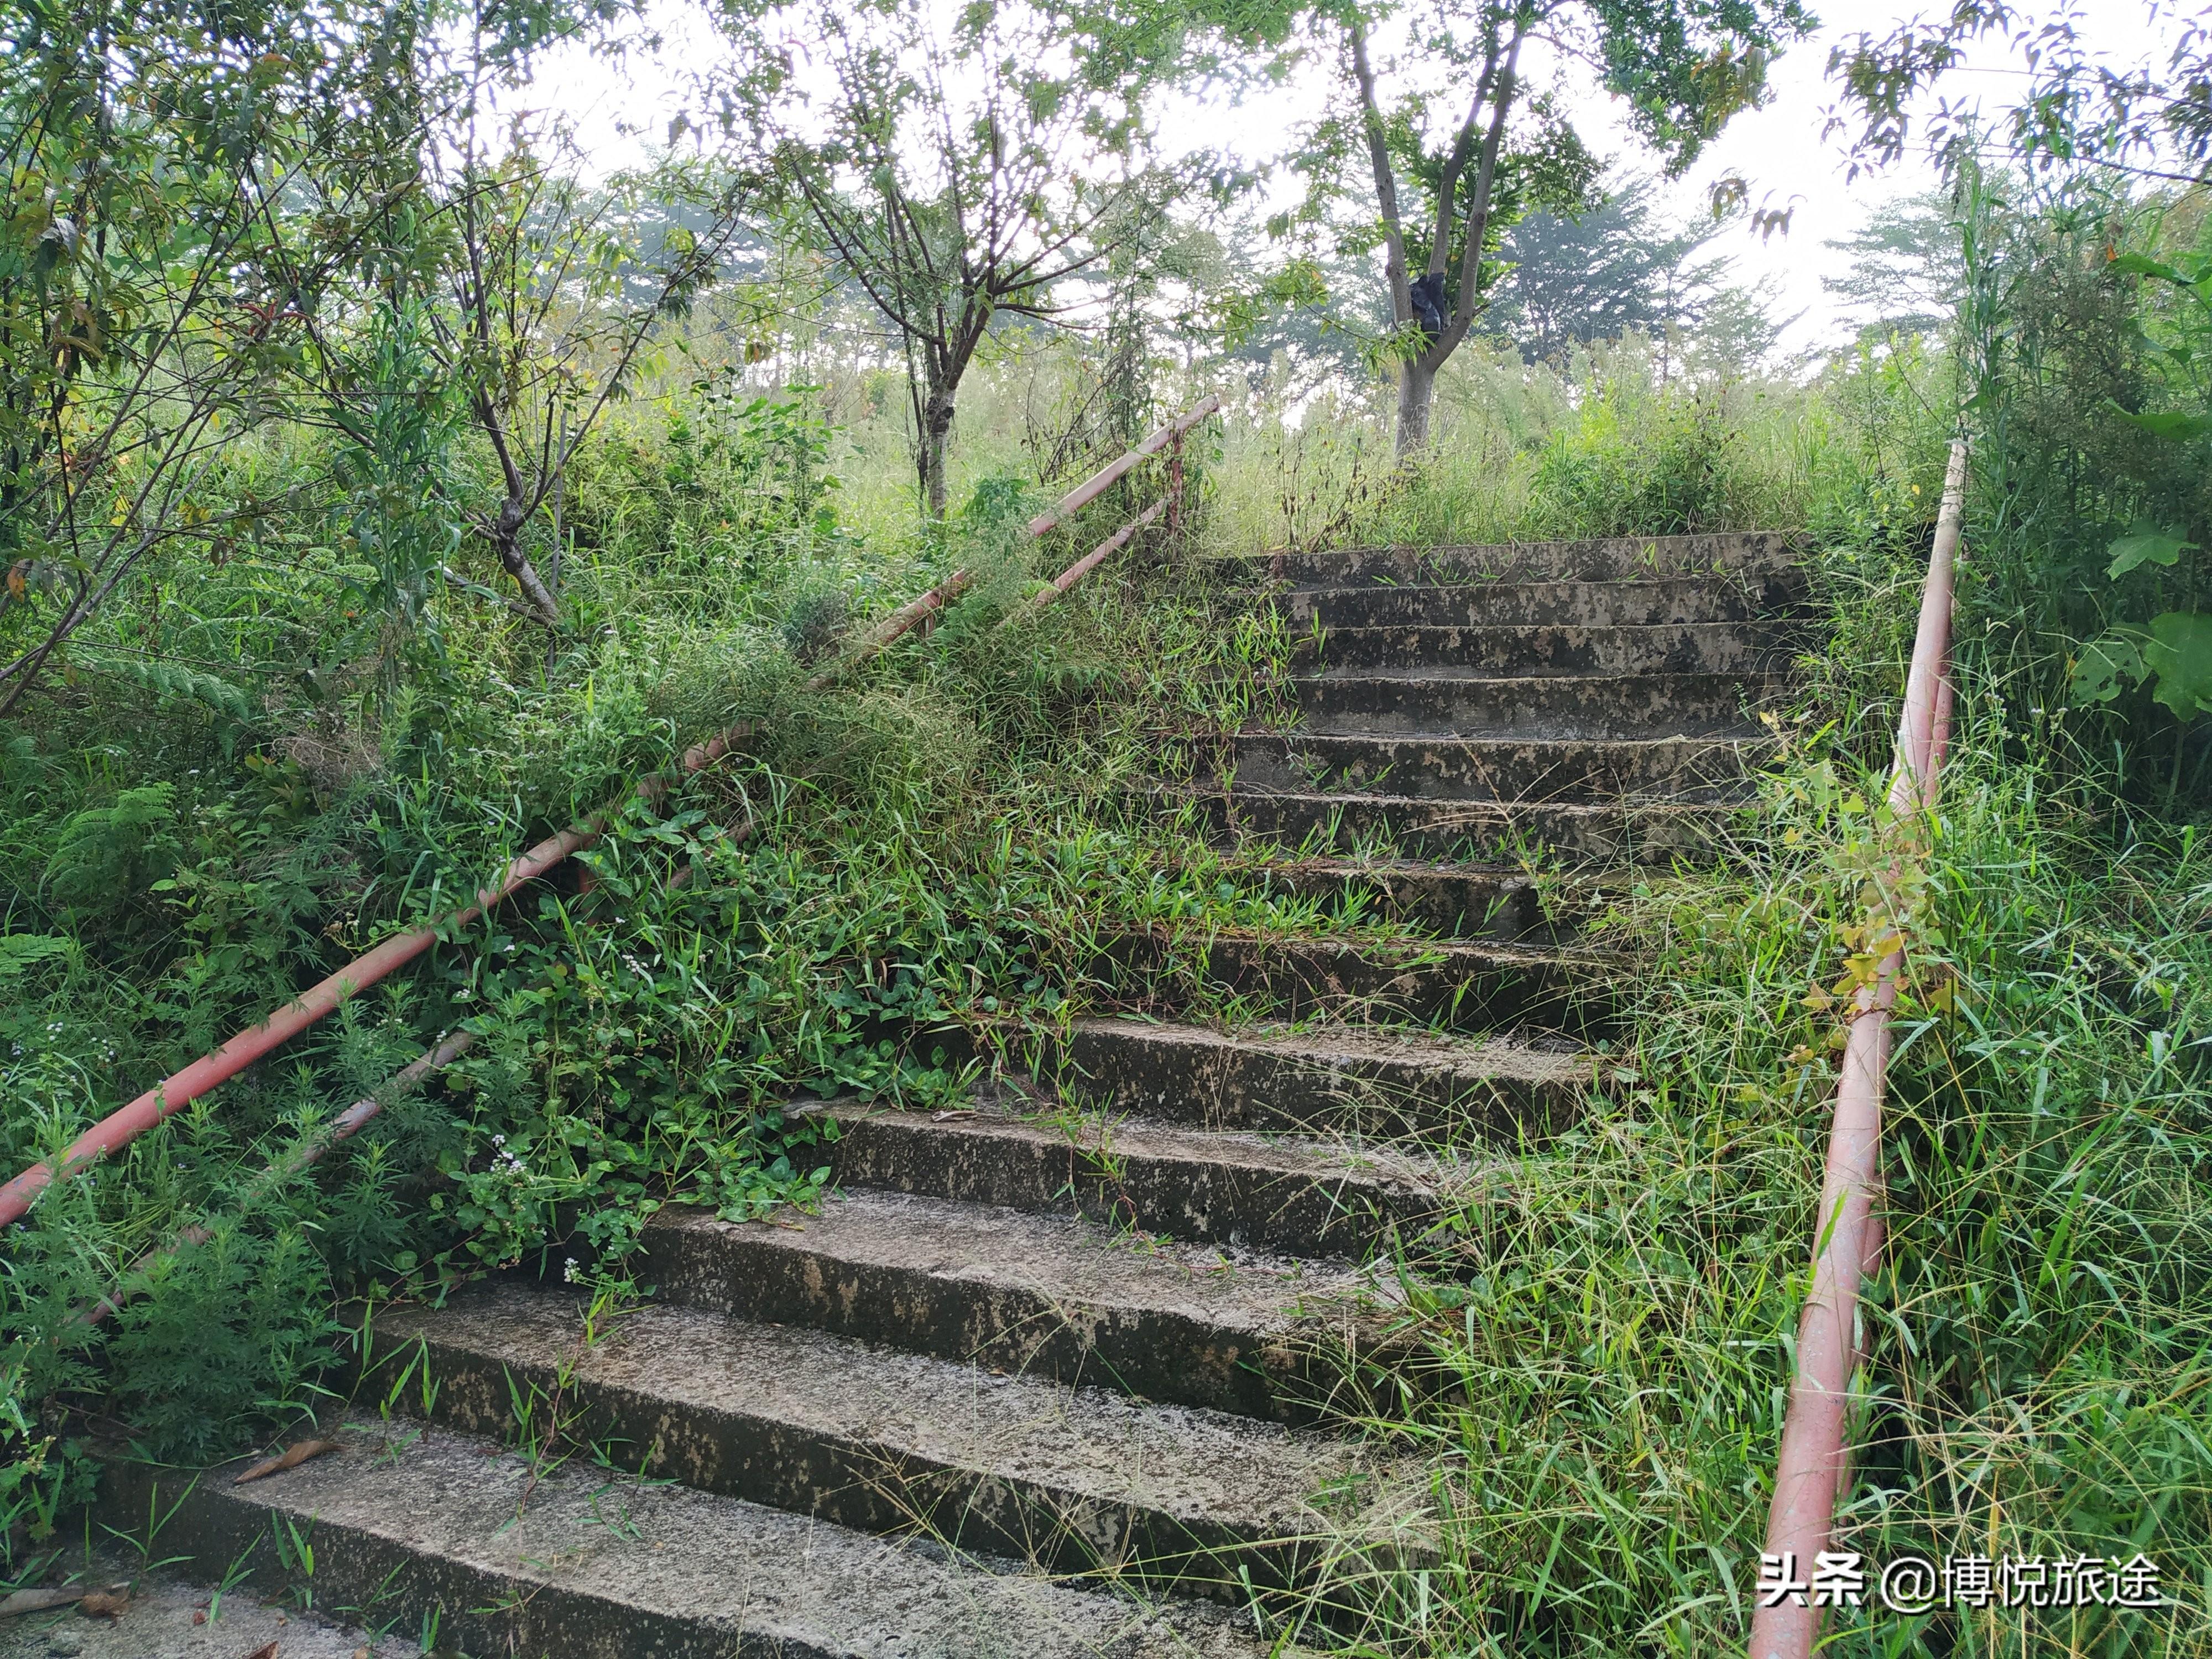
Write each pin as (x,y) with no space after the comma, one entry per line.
(266,1650)
(958,1115)
(290,1458)
(105,1604)
(38,1600)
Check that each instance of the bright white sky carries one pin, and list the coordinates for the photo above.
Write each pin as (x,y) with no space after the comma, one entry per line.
(1778,149)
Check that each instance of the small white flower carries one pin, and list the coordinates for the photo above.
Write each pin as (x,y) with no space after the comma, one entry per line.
(572,1274)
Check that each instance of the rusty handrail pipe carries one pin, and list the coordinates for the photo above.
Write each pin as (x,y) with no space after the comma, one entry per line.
(1096,485)
(174,1093)
(1812,1464)
(1090,561)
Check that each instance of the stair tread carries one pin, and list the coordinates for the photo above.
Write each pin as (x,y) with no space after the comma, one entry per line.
(1294,1196)
(1121,1136)
(577,1561)
(893,1410)
(1754,740)
(1473,810)
(1318,587)
(1536,1062)
(1074,1262)
(1600,559)
(1769,633)
(1452,673)
(1412,950)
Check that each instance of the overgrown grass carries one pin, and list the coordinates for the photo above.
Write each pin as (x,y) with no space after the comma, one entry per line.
(941,841)
(1616,1353)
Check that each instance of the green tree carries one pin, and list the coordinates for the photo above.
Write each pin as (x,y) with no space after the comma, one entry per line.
(1573,278)
(155,264)
(1451,168)
(1904,275)
(961,177)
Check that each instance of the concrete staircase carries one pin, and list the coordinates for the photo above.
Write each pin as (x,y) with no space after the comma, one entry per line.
(1056,1376)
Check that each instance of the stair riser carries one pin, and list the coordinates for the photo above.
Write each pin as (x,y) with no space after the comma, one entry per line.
(1689,705)
(216,1528)
(1309,821)
(1573,771)
(1230,1087)
(1620,559)
(1691,648)
(867,1487)
(767,1273)
(1299,979)
(1505,908)
(1188,1198)
(1519,605)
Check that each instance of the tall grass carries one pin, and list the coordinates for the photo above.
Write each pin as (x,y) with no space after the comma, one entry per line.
(939,843)
(1617,1351)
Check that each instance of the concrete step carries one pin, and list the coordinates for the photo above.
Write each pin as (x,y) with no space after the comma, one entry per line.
(1738,596)
(1577,705)
(1738,648)
(1287,1194)
(1368,1082)
(1458,983)
(1069,1480)
(586,1563)
(1445,768)
(1613,559)
(1457,900)
(1314,822)
(1061,1298)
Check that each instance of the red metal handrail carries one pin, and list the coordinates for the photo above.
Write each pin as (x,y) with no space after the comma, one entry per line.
(1813,1464)
(172,1095)
(1097,484)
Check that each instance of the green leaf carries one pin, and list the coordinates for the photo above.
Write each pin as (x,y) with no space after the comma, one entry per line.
(2103,664)
(21,950)
(2141,265)
(2144,543)
(2170,424)
(2181,654)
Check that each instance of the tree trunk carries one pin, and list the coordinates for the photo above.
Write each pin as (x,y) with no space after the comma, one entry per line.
(935,439)
(505,533)
(1417,386)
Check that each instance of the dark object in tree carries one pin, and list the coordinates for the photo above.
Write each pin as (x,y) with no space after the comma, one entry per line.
(1427,295)
(1684,67)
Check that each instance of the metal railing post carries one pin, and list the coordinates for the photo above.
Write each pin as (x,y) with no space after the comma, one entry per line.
(1175,486)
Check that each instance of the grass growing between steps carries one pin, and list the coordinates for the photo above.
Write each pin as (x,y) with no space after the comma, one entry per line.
(1607,1368)
(944,841)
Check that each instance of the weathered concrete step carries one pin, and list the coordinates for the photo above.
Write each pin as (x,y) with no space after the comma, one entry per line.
(1312,822)
(1046,1296)
(1742,648)
(1462,984)
(1443,768)
(1739,596)
(1072,1480)
(1285,1194)
(1458,901)
(580,1562)
(1362,1081)
(1616,559)
(1577,705)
